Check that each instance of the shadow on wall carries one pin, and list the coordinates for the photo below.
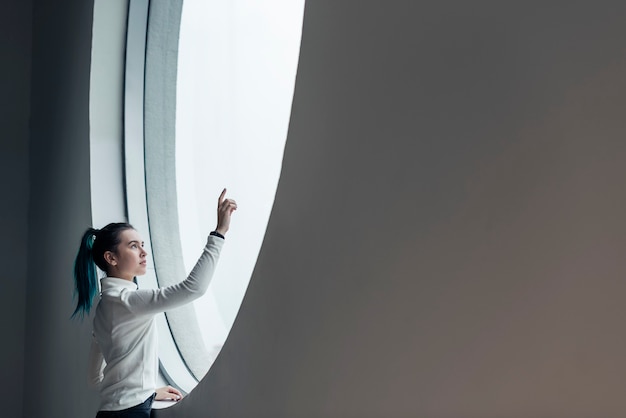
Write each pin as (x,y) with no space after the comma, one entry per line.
(445,238)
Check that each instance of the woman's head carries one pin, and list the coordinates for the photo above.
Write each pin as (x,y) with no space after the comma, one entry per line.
(95,247)
(128,259)
(106,240)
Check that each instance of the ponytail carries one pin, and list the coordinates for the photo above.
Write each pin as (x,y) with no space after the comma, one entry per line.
(85,274)
(93,245)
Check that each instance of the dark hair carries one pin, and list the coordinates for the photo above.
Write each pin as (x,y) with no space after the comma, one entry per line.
(93,245)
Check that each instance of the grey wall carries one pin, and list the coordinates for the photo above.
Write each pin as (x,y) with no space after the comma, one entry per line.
(15,43)
(448,231)
(447,234)
(55,347)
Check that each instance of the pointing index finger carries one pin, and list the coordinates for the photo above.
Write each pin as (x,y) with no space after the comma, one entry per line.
(221,198)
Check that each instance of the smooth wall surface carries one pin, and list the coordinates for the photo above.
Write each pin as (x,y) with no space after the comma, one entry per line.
(56,347)
(448,234)
(15,43)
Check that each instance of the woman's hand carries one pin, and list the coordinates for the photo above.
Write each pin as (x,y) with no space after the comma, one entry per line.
(225,208)
(168,393)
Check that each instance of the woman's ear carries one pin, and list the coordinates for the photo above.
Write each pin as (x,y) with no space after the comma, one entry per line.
(109,257)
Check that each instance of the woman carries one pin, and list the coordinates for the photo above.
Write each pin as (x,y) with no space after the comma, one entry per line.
(123,361)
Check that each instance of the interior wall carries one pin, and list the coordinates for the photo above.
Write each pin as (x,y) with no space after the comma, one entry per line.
(56,347)
(15,47)
(446,236)
(448,231)
(106,111)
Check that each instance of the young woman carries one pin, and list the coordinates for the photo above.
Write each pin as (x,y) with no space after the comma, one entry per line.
(123,362)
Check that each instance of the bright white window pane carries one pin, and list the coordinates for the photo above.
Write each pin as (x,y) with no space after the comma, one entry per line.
(236,73)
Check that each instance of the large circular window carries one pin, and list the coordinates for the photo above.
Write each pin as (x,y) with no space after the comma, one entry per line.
(218,87)
(237,63)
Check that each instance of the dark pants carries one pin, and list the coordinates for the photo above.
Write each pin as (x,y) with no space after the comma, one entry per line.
(139,411)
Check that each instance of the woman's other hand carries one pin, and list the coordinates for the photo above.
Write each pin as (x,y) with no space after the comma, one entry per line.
(168,393)
(225,208)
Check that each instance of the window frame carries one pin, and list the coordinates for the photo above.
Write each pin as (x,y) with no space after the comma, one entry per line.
(150,61)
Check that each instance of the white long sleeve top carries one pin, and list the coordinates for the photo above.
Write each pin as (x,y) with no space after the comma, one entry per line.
(124,359)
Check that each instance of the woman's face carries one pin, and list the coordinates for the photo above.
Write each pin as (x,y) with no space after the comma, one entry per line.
(129,260)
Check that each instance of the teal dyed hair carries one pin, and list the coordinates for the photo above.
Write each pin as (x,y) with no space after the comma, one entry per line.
(85,274)
(93,245)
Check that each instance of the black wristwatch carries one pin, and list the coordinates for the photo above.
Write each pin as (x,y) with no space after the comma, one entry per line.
(217,234)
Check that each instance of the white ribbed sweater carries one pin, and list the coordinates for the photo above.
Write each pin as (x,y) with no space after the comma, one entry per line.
(123,362)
